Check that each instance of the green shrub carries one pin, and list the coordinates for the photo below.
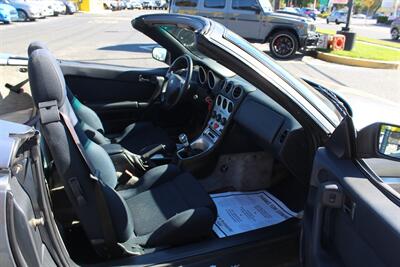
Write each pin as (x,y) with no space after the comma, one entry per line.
(382,19)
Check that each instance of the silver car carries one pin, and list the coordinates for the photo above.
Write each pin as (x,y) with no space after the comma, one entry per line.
(255,20)
(337,17)
(27,11)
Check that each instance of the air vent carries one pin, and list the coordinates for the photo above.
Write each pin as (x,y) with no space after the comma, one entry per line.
(237,92)
(224,84)
(211,80)
(228,87)
(202,75)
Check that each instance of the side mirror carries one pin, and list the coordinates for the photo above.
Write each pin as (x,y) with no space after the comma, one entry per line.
(160,54)
(389,141)
(379,140)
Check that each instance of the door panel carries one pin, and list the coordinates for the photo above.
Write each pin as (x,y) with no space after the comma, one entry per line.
(117,94)
(361,229)
(216,10)
(245,23)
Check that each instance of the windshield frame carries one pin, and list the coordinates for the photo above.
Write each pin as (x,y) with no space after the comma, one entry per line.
(318,100)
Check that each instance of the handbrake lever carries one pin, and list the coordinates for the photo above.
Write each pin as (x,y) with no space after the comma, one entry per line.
(146,156)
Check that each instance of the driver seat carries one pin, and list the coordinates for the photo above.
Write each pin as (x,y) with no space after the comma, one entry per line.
(138,138)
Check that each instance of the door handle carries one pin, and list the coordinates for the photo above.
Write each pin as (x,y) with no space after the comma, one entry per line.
(142,79)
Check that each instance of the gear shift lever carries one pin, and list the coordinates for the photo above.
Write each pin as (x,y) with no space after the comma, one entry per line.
(184,141)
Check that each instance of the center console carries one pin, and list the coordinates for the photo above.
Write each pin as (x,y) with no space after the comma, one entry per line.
(221,113)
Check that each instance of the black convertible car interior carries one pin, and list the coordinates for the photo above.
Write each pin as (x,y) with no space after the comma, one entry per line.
(134,158)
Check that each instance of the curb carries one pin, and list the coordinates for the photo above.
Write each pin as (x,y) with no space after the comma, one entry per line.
(366,63)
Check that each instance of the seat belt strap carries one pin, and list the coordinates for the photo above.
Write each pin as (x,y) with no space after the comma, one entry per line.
(102,206)
(49,112)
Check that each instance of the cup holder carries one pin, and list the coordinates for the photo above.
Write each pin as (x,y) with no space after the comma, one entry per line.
(198,147)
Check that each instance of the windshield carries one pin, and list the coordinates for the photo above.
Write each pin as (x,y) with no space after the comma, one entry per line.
(265,5)
(184,36)
(188,39)
(316,99)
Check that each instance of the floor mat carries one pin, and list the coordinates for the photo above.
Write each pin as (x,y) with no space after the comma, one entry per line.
(240,212)
(243,172)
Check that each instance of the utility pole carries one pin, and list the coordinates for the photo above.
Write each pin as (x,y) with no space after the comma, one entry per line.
(350,36)
(276,4)
(350,9)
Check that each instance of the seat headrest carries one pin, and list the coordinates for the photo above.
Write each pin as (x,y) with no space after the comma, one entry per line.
(35,46)
(46,78)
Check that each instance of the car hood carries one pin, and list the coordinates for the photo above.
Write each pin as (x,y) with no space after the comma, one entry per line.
(293,18)
(23,5)
(7,8)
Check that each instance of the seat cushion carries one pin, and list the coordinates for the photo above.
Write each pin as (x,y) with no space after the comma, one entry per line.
(174,209)
(141,137)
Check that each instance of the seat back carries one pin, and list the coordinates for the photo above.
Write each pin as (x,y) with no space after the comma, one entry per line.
(92,124)
(50,97)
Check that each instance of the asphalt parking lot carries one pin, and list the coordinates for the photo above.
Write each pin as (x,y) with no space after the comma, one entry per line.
(109,38)
(363,27)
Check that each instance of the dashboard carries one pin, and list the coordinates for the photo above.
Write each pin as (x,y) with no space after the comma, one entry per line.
(236,101)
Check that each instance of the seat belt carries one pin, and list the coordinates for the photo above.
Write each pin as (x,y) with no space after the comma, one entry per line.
(49,112)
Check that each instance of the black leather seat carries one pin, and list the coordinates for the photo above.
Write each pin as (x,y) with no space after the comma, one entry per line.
(137,137)
(166,207)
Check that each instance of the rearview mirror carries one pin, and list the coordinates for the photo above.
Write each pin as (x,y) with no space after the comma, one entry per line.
(379,140)
(160,54)
(389,140)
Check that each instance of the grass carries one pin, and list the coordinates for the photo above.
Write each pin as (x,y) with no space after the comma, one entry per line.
(367,51)
(366,39)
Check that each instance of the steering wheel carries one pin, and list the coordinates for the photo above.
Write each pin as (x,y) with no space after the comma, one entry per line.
(177,81)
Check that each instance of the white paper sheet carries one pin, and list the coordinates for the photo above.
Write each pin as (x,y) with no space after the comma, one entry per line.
(240,212)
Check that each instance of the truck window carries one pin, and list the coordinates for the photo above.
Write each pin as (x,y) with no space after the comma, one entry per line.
(214,3)
(244,4)
(188,3)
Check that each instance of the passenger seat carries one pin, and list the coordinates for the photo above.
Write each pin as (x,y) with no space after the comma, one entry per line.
(166,207)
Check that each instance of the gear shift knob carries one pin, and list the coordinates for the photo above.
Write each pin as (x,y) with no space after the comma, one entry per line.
(184,140)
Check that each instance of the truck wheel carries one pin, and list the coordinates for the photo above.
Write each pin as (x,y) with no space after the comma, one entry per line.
(327,21)
(22,15)
(283,44)
(395,34)
(337,22)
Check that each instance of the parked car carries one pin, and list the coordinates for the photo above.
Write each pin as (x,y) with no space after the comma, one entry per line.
(70,7)
(337,17)
(284,172)
(254,20)
(312,13)
(128,4)
(395,29)
(59,7)
(136,4)
(46,7)
(8,13)
(150,4)
(359,16)
(27,10)
(111,4)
